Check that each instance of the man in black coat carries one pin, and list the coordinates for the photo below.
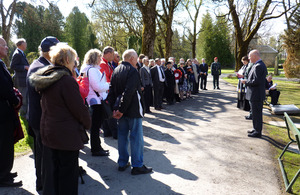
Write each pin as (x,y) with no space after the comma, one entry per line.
(256,91)
(125,94)
(158,79)
(203,69)
(35,110)
(20,66)
(8,122)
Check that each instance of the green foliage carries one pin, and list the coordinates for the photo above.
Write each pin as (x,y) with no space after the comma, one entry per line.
(181,47)
(205,39)
(25,144)
(35,23)
(135,43)
(214,40)
(76,32)
(32,56)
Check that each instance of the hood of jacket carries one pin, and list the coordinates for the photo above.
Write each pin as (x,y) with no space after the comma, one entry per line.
(47,76)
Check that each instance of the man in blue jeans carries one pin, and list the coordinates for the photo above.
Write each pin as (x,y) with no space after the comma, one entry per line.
(125,95)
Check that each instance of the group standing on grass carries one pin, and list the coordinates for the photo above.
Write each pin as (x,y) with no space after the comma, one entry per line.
(63,103)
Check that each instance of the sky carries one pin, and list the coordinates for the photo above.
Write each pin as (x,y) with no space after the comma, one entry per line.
(274,27)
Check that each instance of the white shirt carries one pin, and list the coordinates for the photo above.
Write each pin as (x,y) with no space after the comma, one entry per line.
(161,73)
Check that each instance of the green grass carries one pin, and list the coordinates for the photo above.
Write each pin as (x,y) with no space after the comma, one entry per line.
(290,94)
(25,144)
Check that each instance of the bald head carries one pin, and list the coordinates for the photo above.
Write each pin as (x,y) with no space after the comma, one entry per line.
(254,56)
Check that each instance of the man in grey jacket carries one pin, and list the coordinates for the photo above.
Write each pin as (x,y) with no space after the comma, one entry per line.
(146,84)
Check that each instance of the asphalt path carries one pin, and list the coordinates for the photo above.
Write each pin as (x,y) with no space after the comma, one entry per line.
(198,146)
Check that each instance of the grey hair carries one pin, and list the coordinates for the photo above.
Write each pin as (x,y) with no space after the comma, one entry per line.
(144,59)
(128,54)
(20,41)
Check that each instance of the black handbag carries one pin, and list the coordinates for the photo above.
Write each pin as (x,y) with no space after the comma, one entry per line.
(107,114)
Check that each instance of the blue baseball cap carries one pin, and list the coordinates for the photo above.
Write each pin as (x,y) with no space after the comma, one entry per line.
(48,42)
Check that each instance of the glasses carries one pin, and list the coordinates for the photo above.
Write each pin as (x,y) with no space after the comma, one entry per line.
(118,56)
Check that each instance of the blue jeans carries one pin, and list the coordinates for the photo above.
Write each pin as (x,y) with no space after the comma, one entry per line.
(134,125)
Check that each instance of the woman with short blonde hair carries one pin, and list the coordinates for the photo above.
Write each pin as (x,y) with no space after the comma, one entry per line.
(64,119)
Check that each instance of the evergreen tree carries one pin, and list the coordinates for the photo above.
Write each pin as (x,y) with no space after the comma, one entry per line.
(222,43)
(206,39)
(76,32)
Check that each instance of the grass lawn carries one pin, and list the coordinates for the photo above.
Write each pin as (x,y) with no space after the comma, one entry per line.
(25,144)
(290,94)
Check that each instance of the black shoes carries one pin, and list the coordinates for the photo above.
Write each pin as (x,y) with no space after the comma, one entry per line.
(248,117)
(124,168)
(251,131)
(255,134)
(141,170)
(157,108)
(218,87)
(101,153)
(10,183)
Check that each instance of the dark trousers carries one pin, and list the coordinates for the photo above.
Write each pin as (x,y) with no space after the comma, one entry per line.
(148,97)
(38,156)
(158,94)
(274,96)
(6,149)
(110,128)
(65,172)
(169,90)
(195,87)
(97,120)
(257,118)
(47,174)
(216,81)
(203,81)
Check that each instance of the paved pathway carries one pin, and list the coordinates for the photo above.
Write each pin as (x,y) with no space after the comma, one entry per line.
(199,146)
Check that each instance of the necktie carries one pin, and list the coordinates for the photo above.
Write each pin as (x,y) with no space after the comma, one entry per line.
(162,72)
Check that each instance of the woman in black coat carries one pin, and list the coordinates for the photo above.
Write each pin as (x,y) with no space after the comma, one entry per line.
(170,83)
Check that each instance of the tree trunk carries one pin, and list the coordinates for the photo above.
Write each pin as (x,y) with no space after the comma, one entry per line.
(6,27)
(194,39)
(241,52)
(168,41)
(149,27)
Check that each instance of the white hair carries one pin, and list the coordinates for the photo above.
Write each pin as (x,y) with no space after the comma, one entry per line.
(128,54)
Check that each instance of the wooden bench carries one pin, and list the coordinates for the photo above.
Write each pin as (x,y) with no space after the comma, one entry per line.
(294,136)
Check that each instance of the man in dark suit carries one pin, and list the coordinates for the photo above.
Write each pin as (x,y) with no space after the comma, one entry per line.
(146,82)
(35,113)
(8,122)
(20,66)
(256,91)
(158,79)
(203,69)
(139,64)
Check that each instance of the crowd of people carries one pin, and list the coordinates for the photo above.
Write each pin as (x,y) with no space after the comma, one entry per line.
(61,101)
